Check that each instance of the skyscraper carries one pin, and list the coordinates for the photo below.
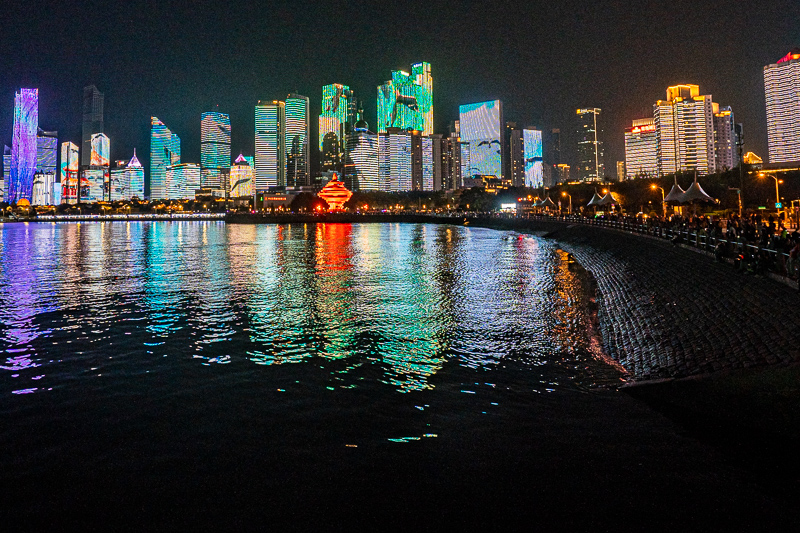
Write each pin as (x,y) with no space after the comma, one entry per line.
(590,148)
(241,178)
(181,181)
(92,121)
(782,91)
(215,149)
(337,113)
(165,150)
(724,138)
(406,100)
(641,149)
(481,126)
(46,151)
(127,181)
(533,157)
(68,166)
(23,148)
(685,130)
(361,167)
(515,163)
(298,171)
(101,150)
(270,154)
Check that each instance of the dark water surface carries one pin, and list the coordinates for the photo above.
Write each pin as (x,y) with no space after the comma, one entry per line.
(301,370)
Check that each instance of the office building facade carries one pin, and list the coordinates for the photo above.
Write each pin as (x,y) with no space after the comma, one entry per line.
(93,103)
(591,166)
(533,156)
(68,171)
(182,181)
(406,100)
(515,162)
(481,127)
(298,169)
(782,92)
(215,149)
(24,146)
(127,180)
(641,149)
(270,146)
(241,178)
(165,150)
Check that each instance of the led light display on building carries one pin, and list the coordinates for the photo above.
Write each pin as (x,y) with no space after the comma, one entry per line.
(481,127)
(297,163)
(406,100)
(641,149)
(215,148)
(394,161)
(46,151)
(183,179)
(782,92)
(68,170)
(101,150)
(534,157)
(335,112)
(270,156)
(361,167)
(93,184)
(165,150)
(44,184)
(23,149)
(128,182)
(241,178)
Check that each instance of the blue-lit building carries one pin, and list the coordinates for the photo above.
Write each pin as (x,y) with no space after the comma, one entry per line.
(534,157)
(406,100)
(481,126)
(165,150)
(215,149)
(270,153)
(24,146)
(127,181)
(298,171)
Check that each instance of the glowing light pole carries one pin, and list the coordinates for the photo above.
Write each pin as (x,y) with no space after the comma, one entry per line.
(566,194)
(663,205)
(777,194)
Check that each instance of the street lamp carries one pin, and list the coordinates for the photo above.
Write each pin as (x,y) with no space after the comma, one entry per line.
(566,194)
(777,194)
(663,205)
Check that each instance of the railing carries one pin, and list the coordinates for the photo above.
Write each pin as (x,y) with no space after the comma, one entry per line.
(746,256)
(133,216)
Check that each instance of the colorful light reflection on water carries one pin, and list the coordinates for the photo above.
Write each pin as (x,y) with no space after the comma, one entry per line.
(377,305)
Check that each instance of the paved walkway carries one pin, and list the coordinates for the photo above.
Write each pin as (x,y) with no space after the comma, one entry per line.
(669,312)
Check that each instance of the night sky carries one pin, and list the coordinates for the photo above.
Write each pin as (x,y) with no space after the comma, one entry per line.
(175,60)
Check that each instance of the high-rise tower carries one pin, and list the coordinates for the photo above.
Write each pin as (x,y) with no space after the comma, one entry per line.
(270,154)
(782,91)
(298,172)
(481,127)
(590,148)
(215,149)
(406,100)
(165,150)
(92,121)
(23,149)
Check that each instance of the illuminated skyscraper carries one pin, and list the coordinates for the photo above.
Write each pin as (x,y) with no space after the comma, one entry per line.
(724,138)
(481,126)
(298,171)
(641,149)
(241,180)
(270,154)
(406,100)
(534,160)
(515,162)
(68,171)
(44,184)
(215,149)
(23,148)
(92,121)
(165,150)
(685,131)
(127,181)
(782,91)
(46,151)
(361,167)
(182,180)
(6,171)
(590,148)
(101,150)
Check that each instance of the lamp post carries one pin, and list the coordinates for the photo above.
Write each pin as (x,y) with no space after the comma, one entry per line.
(663,205)
(777,194)
(565,193)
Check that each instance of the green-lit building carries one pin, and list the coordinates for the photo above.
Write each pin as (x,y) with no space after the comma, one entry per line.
(406,100)
(339,110)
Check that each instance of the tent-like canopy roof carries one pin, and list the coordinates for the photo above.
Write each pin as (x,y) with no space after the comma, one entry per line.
(695,193)
(548,203)
(608,199)
(675,195)
(595,200)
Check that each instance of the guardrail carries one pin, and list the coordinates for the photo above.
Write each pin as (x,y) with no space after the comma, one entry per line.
(134,216)
(747,257)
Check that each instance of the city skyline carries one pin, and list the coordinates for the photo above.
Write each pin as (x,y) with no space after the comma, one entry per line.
(176,75)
